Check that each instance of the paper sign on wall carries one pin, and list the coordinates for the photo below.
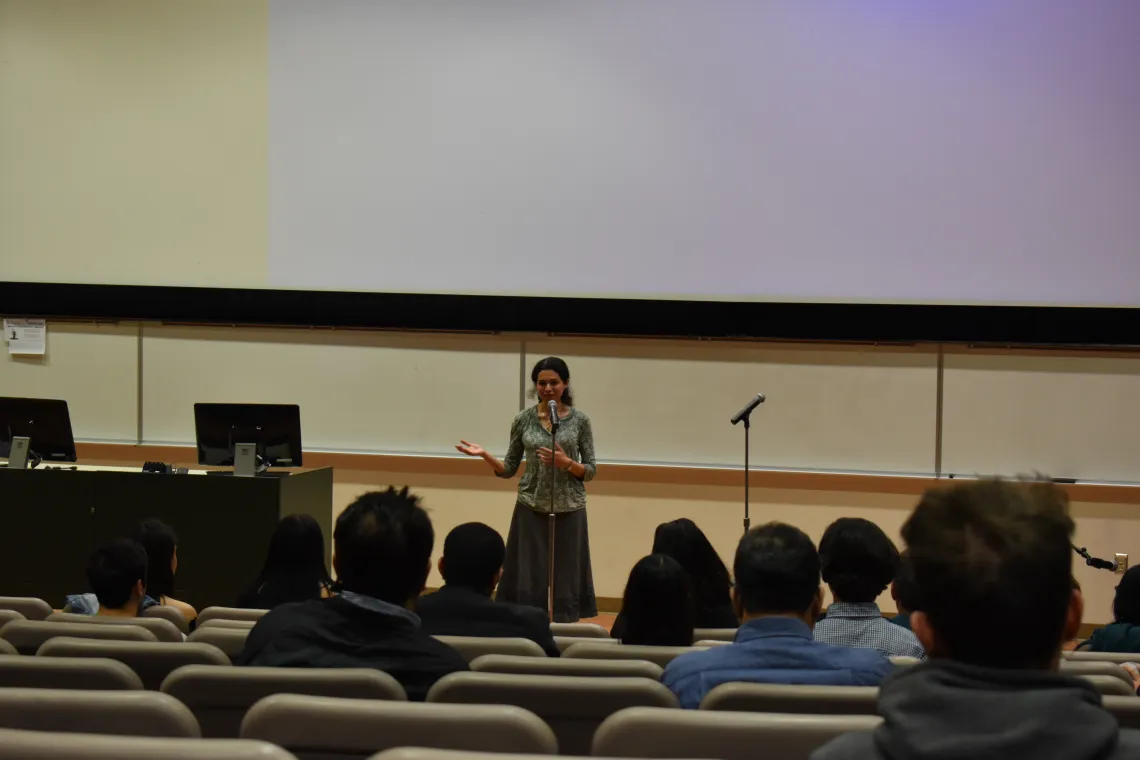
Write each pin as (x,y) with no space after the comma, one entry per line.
(26,336)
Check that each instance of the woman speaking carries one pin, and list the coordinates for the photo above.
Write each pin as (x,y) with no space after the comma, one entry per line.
(525,567)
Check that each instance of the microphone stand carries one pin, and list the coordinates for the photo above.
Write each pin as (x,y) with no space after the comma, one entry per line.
(745,416)
(1091,561)
(550,516)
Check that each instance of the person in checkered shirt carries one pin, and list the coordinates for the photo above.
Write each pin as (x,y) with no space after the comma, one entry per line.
(859,561)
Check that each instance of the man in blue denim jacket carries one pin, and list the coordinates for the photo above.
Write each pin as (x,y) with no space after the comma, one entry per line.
(778,597)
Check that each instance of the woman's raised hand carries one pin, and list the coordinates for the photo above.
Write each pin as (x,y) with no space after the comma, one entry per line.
(470,449)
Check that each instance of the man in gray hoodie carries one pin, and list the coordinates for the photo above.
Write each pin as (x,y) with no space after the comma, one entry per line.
(993,565)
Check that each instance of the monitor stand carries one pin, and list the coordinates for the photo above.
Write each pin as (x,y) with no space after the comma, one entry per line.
(18,456)
(245,460)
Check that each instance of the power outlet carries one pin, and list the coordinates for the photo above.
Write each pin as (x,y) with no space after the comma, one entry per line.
(1121,563)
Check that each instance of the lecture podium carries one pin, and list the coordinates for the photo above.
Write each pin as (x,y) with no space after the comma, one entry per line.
(51,519)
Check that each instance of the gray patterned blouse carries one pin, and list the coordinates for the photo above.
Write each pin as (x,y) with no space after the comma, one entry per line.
(576,438)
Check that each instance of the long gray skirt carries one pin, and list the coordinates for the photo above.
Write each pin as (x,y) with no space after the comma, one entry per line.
(525,567)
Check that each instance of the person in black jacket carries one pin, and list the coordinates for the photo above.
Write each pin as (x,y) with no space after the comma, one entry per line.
(471,566)
(383,543)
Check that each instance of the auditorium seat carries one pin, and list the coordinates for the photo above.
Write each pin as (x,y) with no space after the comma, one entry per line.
(127,713)
(708,643)
(325,727)
(240,625)
(573,706)
(67,673)
(653,732)
(221,696)
(164,612)
(7,616)
(7,649)
(714,634)
(1095,668)
(229,640)
(1125,708)
(229,613)
(28,606)
(579,630)
(38,745)
(565,642)
(784,698)
(660,655)
(428,753)
(565,666)
(152,661)
(163,630)
(904,662)
(1111,685)
(476,646)
(1117,657)
(29,635)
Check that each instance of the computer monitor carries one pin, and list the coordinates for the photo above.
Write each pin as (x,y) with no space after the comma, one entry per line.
(273,432)
(44,421)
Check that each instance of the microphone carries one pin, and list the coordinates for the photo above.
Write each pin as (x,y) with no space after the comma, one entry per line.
(1097,562)
(552,408)
(747,410)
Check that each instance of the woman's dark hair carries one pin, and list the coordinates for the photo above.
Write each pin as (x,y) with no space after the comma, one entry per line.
(557,366)
(690,547)
(294,569)
(658,604)
(1126,604)
(159,541)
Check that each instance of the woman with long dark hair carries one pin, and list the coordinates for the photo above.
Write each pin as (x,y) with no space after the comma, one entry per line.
(657,607)
(161,545)
(294,569)
(572,459)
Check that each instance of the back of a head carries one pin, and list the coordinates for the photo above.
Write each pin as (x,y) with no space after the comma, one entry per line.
(857,559)
(383,543)
(657,607)
(905,587)
(1126,603)
(777,570)
(114,570)
(992,560)
(473,555)
(159,541)
(295,567)
(685,542)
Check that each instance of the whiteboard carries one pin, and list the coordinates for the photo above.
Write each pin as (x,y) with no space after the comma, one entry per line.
(860,409)
(92,367)
(358,391)
(1064,416)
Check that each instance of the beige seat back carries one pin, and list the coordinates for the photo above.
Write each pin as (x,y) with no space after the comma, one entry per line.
(709,643)
(315,728)
(7,649)
(574,706)
(427,753)
(28,606)
(1117,657)
(163,630)
(37,745)
(565,642)
(152,661)
(170,614)
(1126,709)
(784,698)
(652,732)
(904,662)
(220,697)
(476,646)
(565,666)
(7,616)
(660,655)
(229,640)
(1111,685)
(714,634)
(65,673)
(579,630)
(1094,668)
(28,635)
(127,713)
(241,625)
(229,613)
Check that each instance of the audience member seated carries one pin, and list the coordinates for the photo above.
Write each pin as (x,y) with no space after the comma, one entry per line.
(658,603)
(905,592)
(116,573)
(382,554)
(1123,634)
(294,569)
(161,545)
(778,597)
(471,566)
(858,562)
(687,544)
(993,560)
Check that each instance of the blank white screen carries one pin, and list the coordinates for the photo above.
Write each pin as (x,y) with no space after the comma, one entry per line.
(973,151)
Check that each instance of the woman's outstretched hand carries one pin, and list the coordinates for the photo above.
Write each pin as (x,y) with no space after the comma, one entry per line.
(470,449)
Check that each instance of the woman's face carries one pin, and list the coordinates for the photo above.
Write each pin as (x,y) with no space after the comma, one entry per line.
(549,386)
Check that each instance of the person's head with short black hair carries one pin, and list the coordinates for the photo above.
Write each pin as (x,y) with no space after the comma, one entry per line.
(1126,603)
(473,555)
(1000,552)
(161,545)
(685,542)
(657,606)
(777,574)
(382,546)
(857,560)
(904,589)
(117,574)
